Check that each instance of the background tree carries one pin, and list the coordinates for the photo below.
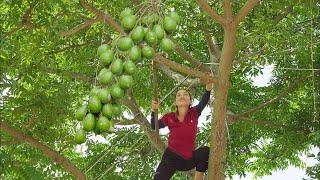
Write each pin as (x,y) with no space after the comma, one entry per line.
(48,65)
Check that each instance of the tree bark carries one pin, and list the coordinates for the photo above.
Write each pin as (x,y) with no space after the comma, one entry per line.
(53,155)
(218,141)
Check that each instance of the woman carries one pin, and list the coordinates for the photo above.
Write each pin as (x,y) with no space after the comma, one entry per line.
(180,155)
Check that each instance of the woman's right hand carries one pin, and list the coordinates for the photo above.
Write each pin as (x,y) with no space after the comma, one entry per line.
(154,105)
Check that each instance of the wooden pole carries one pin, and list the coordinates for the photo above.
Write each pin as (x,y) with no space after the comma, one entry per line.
(155,95)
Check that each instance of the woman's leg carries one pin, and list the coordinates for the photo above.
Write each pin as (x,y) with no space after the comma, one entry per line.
(201,157)
(198,175)
(166,168)
(164,171)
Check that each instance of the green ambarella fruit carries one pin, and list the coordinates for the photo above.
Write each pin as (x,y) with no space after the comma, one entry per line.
(135,53)
(116,91)
(94,91)
(103,124)
(105,76)
(80,136)
(175,16)
(117,66)
(159,31)
(89,122)
(125,13)
(116,109)
(137,34)
(129,22)
(102,48)
(81,112)
(150,37)
(106,57)
(104,95)
(167,45)
(107,110)
(129,67)
(125,43)
(94,104)
(125,81)
(148,52)
(169,24)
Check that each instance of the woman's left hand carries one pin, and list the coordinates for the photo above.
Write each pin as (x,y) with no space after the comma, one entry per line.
(209,86)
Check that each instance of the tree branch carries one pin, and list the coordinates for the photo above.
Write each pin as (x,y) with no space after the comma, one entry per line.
(154,138)
(178,77)
(25,20)
(53,155)
(185,55)
(227,9)
(214,15)
(294,85)
(103,16)
(214,52)
(204,77)
(245,10)
(80,27)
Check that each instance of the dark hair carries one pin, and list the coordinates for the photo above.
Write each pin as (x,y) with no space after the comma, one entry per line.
(184,88)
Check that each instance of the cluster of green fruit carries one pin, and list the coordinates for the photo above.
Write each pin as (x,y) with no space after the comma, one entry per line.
(119,64)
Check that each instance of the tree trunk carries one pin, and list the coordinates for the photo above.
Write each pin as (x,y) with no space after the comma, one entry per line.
(55,156)
(218,141)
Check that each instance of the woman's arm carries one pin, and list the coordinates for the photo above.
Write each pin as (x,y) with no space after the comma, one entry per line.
(205,98)
(203,102)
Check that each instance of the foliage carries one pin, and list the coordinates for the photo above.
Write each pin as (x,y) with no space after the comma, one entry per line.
(45,77)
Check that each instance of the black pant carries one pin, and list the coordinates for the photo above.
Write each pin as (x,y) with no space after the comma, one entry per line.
(172,162)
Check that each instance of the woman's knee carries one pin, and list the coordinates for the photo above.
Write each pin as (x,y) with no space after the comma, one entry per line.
(202,157)
(203,153)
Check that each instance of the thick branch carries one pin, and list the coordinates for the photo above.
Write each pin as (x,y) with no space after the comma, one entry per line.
(214,15)
(214,51)
(204,77)
(227,9)
(178,77)
(245,10)
(80,27)
(185,55)
(53,155)
(154,138)
(293,86)
(102,15)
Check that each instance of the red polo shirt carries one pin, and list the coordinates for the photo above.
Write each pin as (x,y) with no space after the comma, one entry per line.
(182,135)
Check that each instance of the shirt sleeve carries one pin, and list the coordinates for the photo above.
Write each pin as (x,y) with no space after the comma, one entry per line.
(203,102)
(161,123)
